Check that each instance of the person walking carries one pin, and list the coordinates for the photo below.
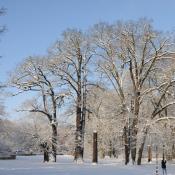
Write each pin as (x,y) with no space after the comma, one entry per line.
(163,164)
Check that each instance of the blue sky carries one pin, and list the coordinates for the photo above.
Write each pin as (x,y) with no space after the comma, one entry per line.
(34,25)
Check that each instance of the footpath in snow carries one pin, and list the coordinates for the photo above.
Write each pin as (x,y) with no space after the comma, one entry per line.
(32,165)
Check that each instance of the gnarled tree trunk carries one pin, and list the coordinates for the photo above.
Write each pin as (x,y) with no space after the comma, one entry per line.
(78,135)
(127,145)
(140,151)
(54,142)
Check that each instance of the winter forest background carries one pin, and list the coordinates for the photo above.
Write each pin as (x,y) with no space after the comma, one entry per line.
(115,79)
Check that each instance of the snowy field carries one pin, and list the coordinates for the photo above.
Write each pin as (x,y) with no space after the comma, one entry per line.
(32,165)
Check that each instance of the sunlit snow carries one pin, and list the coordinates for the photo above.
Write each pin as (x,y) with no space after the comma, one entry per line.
(33,165)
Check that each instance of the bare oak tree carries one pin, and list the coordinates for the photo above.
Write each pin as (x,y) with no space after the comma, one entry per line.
(128,53)
(34,76)
(71,57)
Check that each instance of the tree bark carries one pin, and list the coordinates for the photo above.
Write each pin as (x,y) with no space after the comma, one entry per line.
(78,137)
(95,148)
(140,151)
(134,140)
(134,128)
(149,153)
(79,119)
(127,147)
(173,151)
(54,142)
(45,148)
(46,156)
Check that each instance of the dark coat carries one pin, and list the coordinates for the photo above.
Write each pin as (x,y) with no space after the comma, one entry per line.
(163,163)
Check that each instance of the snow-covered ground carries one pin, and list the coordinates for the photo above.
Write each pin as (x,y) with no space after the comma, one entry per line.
(32,165)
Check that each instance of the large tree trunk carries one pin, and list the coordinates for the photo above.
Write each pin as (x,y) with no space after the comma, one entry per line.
(78,135)
(79,119)
(134,127)
(126,134)
(45,147)
(149,153)
(140,151)
(95,148)
(127,147)
(46,155)
(173,151)
(54,142)
(134,140)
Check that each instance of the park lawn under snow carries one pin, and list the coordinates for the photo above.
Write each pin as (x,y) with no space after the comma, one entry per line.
(33,165)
